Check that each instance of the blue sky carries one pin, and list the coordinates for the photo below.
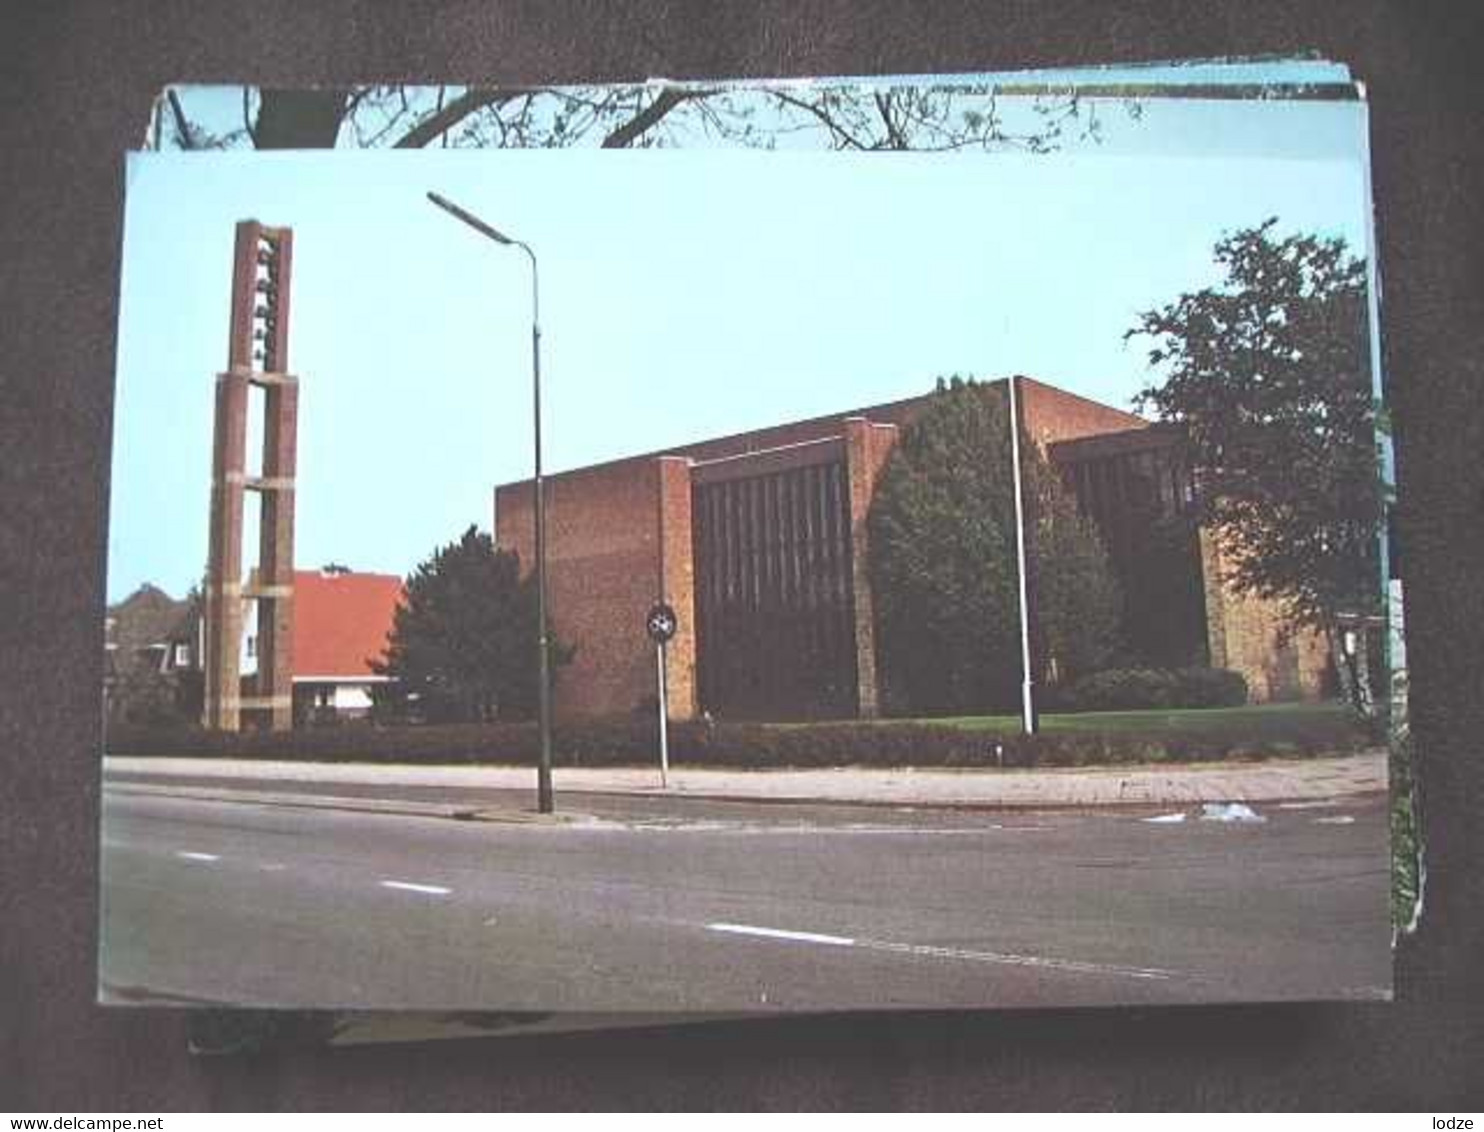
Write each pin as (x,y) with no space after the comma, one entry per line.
(685,293)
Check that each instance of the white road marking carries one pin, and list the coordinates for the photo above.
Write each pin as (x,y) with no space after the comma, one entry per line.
(927,951)
(779,933)
(1341,819)
(189,856)
(1015,960)
(1164,819)
(1326,804)
(680,825)
(408,886)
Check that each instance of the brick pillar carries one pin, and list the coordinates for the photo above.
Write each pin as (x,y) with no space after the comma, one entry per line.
(1215,598)
(276,554)
(677,580)
(221,711)
(867,447)
(259,313)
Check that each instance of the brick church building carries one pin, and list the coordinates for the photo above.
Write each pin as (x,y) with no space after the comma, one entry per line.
(759,542)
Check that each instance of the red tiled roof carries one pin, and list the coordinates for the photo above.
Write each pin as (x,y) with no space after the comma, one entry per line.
(341,621)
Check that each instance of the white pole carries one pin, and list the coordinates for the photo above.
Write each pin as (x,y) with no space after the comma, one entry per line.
(1027,695)
(659,654)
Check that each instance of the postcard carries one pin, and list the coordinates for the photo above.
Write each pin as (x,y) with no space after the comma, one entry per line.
(685,550)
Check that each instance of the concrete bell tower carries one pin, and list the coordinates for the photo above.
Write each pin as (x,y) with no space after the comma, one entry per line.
(257,356)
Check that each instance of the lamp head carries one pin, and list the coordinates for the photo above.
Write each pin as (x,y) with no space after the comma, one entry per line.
(470,219)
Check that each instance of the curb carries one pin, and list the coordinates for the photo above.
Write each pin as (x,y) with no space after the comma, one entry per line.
(391,808)
(990,805)
(478,813)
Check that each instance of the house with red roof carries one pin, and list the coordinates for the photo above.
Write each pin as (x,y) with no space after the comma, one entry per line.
(342,619)
(341,622)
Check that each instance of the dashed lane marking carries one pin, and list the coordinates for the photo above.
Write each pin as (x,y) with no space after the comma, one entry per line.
(780,933)
(1319,804)
(927,951)
(187,855)
(409,886)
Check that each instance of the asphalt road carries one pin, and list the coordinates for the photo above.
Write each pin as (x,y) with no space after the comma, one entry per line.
(646,905)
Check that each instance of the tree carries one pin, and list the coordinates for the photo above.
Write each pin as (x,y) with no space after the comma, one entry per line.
(1077,601)
(463,639)
(942,563)
(1269,374)
(856,116)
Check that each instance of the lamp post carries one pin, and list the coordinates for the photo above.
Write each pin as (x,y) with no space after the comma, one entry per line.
(1030,721)
(543,772)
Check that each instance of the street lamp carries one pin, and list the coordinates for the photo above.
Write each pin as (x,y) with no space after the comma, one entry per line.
(543,772)
(1030,721)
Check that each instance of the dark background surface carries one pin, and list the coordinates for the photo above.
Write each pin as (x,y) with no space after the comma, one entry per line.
(76,83)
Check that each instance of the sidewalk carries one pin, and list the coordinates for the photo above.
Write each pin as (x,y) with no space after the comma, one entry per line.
(1072,787)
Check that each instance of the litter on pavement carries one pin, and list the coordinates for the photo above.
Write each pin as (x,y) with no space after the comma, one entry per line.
(1229,811)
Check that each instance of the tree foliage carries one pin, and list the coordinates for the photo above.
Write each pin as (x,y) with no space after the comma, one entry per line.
(463,639)
(1076,599)
(942,563)
(1269,374)
(856,116)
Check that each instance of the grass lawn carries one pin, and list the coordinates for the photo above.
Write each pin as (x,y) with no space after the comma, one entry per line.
(1255,721)
(1231,719)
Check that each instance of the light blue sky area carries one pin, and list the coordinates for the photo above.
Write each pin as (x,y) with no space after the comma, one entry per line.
(685,294)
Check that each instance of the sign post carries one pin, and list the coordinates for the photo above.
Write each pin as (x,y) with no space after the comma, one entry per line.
(659,652)
(660,623)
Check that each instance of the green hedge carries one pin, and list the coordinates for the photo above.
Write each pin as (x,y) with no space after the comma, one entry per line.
(1136,689)
(630,742)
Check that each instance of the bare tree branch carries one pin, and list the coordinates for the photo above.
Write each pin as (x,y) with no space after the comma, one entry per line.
(893,132)
(840,116)
(838,132)
(182,126)
(664,102)
(393,119)
(247,122)
(441,121)
(355,98)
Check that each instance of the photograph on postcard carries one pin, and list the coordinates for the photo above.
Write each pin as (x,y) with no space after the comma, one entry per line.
(833,545)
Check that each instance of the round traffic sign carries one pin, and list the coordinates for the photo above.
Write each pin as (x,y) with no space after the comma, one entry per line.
(660,623)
